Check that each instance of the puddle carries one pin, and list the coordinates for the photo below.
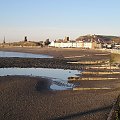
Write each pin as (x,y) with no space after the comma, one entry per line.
(59,76)
(23,55)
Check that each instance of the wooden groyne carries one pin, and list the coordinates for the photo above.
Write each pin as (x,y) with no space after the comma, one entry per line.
(89,62)
(113,51)
(100,73)
(101,67)
(78,88)
(91,78)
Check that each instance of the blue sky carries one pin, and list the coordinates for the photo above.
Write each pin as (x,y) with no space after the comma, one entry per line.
(54,19)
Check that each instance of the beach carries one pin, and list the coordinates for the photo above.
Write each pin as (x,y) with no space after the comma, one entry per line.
(20,99)
(60,59)
(25,98)
(56,52)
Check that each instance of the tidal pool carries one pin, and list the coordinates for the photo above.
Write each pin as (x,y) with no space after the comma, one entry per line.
(58,76)
(23,55)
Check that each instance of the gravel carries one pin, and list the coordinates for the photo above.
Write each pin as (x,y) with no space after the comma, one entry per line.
(21,100)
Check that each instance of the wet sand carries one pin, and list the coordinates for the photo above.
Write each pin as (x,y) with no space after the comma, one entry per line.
(61,57)
(58,52)
(23,97)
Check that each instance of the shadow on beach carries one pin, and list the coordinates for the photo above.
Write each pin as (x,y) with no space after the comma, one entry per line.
(43,85)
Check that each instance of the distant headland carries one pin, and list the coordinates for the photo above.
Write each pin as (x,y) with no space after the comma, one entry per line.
(86,41)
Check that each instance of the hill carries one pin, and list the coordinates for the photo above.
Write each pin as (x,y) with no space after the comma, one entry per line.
(99,38)
(22,44)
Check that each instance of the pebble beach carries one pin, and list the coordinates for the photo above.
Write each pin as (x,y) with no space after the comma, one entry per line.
(25,98)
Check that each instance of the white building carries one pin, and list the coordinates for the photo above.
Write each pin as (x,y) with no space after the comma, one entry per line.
(75,44)
(88,45)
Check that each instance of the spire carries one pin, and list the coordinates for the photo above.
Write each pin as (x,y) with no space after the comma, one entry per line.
(4,40)
(25,40)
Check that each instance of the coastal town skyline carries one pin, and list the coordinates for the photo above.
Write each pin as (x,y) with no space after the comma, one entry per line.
(44,19)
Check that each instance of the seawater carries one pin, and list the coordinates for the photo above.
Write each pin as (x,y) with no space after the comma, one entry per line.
(23,55)
(58,76)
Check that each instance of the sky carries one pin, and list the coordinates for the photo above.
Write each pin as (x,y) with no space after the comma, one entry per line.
(55,19)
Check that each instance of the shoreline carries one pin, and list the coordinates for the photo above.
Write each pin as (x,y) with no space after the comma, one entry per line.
(21,100)
(61,59)
(55,52)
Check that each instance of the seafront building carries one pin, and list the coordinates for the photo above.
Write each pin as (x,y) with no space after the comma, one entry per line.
(66,43)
